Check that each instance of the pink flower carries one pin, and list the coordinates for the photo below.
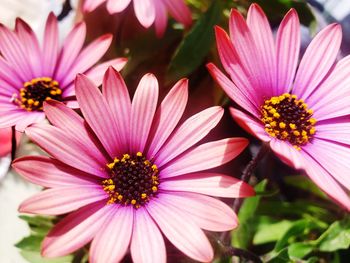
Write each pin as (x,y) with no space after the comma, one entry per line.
(5,141)
(31,74)
(127,174)
(148,12)
(302,110)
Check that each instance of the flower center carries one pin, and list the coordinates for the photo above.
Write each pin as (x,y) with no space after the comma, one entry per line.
(287,118)
(36,91)
(133,180)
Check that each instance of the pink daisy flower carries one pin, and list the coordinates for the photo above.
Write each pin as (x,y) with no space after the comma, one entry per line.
(127,175)
(31,74)
(300,109)
(148,12)
(5,141)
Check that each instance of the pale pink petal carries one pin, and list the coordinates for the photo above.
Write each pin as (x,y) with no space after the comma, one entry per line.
(250,124)
(31,45)
(147,244)
(262,34)
(49,172)
(11,77)
(62,200)
(142,111)
(240,96)
(189,133)
(112,241)
(30,118)
(145,12)
(161,19)
(50,45)
(205,156)
(76,230)
(88,57)
(66,149)
(207,212)
(117,6)
(70,51)
(117,96)
(168,115)
(90,5)
(336,131)
(10,117)
(287,153)
(186,236)
(288,47)
(98,114)
(318,59)
(209,184)
(179,10)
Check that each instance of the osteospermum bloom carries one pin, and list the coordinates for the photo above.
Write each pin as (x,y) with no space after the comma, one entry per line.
(31,73)
(128,175)
(301,110)
(148,12)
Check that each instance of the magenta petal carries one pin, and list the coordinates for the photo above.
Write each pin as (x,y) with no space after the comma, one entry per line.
(10,79)
(187,237)
(168,115)
(98,114)
(335,131)
(75,230)
(287,153)
(145,12)
(50,46)
(180,11)
(207,212)
(209,184)
(147,244)
(117,6)
(62,200)
(189,133)
(117,96)
(205,156)
(161,19)
(56,174)
(112,241)
(288,46)
(318,59)
(142,111)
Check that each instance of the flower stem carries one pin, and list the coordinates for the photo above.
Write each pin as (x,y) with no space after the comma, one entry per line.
(13,143)
(238,252)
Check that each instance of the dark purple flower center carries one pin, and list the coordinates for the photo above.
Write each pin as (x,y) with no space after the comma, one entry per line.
(287,118)
(133,180)
(35,92)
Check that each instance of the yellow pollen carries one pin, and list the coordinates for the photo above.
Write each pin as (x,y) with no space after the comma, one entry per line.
(154,188)
(133,202)
(143,196)
(139,154)
(282,125)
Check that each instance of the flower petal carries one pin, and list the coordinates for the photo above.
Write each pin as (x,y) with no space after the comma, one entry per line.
(180,11)
(209,184)
(112,241)
(205,156)
(147,244)
(145,12)
(161,19)
(287,153)
(50,46)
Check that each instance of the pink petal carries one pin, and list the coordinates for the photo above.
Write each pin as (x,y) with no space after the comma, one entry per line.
(50,45)
(186,236)
(205,156)
(335,131)
(142,111)
(112,241)
(207,212)
(76,230)
(32,47)
(88,57)
(58,201)
(168,115)
(66,149)
(91,5)
(11,117)
(161,19)
(261,32)
(70,51)
(145,12)
(209,184)
(11,77)
(287,153)
(117,6)
(147,244)
(250,124)
(180,11)
(288,47)
(117,96)
(49,172)
(318,59)
(189,133)
(30,118)
(98,115)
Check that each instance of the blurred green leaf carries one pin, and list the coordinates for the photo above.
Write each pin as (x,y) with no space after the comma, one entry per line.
(304,183)
(270,232)
(280,257)
(196,45)
(35,257)
(31,243)
(299,250)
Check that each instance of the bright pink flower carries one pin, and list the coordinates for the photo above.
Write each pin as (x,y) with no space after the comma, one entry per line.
(148,12)
(301,110)
(127,174)
(31,74)
(6,141)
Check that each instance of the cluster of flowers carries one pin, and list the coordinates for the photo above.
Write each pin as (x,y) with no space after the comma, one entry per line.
(126,170)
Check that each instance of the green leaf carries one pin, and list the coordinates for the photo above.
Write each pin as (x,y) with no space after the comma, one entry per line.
(270,232)
(35,257)
(195,46)
(305,184)
(299,250)
(337,236)
(31,243)
(280,257)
